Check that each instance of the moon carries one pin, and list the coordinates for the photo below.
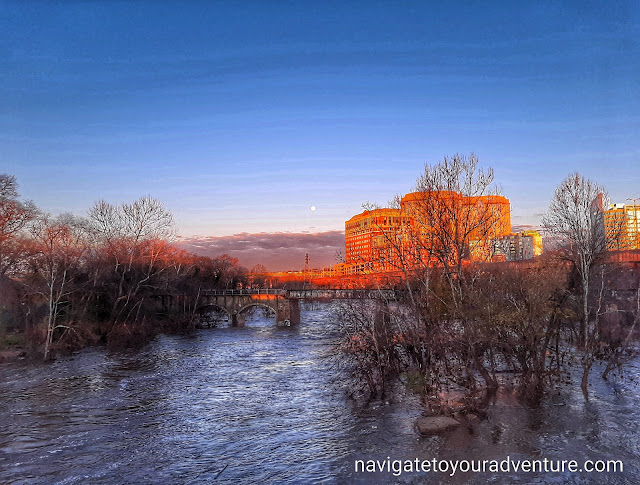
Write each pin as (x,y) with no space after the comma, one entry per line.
(313,208)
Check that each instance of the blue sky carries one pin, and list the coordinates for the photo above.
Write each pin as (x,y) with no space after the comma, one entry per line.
(241,115)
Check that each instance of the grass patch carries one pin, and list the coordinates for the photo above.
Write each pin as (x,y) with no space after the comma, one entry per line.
(11,341)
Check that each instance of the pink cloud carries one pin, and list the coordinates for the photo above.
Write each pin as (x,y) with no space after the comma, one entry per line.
(276,250)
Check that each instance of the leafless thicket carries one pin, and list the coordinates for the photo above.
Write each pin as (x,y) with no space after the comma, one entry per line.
(99,278)
(464,327)
(576,220)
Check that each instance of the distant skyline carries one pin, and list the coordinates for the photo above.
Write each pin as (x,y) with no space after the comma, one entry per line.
(240,117)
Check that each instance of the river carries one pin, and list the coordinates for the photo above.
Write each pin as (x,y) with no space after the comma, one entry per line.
(263,404)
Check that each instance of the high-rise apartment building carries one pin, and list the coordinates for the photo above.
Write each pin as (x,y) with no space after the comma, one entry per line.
(368,236)
(622,227)
(382,239)
(519,246)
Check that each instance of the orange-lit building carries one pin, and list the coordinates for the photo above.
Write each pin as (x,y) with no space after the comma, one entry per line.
(490,213)
(485,218)
(622,227)
(379,239)
(369,240)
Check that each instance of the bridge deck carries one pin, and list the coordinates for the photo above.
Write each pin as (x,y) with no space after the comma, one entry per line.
(318,293)
(245,291)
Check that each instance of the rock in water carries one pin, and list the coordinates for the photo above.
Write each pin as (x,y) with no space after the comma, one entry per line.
(436,424)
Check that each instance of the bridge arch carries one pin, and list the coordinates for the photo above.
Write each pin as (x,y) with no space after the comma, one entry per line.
(237,302)
(204,309)
(272,309)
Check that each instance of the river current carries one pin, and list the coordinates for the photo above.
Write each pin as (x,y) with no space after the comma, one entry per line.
(263,404)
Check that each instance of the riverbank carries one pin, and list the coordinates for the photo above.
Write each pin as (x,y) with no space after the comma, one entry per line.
(14,354)
(30,343)
(12,346)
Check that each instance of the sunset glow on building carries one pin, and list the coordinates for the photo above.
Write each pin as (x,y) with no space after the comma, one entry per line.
(367,234)
(622,226)
(381,240)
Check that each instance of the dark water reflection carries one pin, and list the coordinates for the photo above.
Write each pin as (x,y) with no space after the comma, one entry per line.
(262,404)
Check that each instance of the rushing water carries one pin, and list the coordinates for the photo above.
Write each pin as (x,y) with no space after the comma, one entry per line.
(263,404)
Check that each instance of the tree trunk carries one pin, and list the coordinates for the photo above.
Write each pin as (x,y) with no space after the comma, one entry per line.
(488,378)
(582,334)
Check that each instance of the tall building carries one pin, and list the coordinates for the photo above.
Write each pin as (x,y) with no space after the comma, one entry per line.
(488,215)
(622,226)
(382,239)
(367,237)
(483,219)
(519,246)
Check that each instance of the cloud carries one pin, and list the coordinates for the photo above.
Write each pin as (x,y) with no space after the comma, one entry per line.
(276,250)
(525,227)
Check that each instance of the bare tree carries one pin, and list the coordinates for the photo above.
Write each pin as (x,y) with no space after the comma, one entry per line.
(258,276)
(575,218)
(452,215)
(144,219)
(132,235)
(147,219)
(59,246)
(14,217)
(455,218)
(615,359)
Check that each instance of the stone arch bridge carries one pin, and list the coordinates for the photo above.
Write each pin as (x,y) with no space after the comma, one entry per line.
(236,302)
(285,303)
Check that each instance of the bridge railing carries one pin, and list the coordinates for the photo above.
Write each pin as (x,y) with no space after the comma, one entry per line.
(349,294)
(310,293)
(245,291)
